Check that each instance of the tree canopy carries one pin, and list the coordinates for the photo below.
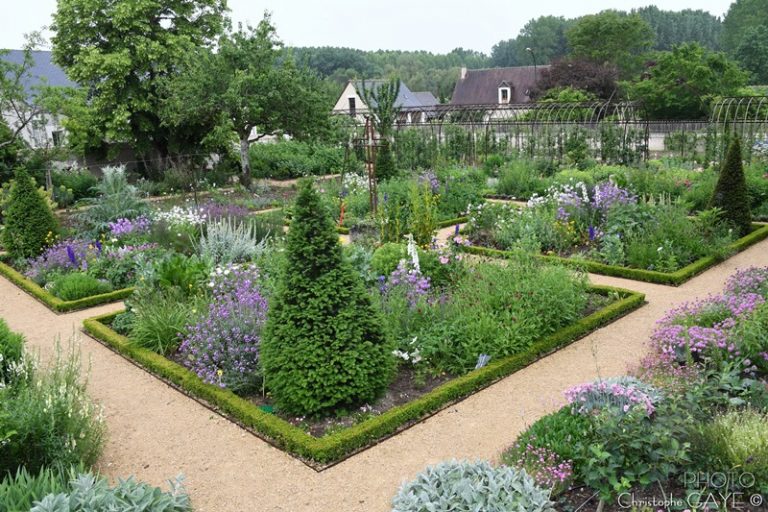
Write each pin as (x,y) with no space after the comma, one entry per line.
(121,51)
(681,84)
(611,37)
(743,15)
(242,88)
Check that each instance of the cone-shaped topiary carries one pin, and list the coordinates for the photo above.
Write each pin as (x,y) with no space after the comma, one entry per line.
(731,190)
(29,221)
(323,347)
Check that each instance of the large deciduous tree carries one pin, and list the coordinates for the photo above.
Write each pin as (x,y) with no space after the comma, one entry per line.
(682,83)
(121,52)
(244,88)
(611,37)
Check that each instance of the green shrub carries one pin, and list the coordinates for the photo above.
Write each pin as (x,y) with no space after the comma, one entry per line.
(634,449)
(79,181)
(50,416)
(294,159)
(160,318)
(385,164)
(323,346)
(730,193)
(186,274)
(735,441)
(87,492)
(559,432)
(519,179)
(29,221)
(77,285)
(471,486)
(751,337)
(386,258)
(11,349)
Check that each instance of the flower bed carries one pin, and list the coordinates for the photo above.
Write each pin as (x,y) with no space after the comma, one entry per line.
(608,231)
(320,452)
(695,405)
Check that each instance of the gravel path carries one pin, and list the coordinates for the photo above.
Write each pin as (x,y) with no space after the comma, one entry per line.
(156,433)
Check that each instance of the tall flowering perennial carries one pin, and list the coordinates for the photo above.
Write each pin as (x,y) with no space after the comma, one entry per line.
(223,347)
(618,395)
(608,194)
(409,281)
(431,178)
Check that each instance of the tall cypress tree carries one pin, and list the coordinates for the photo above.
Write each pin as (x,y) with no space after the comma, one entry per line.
(29,220)
(731,193)
(323,347)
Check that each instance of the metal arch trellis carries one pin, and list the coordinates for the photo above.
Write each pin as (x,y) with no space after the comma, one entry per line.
(746,116)
(530,127)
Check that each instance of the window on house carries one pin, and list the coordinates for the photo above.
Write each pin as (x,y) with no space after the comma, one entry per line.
(58,138)
(504,94)
(352,106)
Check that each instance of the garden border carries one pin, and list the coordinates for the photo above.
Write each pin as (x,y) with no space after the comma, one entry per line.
(324,452)
(54,303)
(758,234)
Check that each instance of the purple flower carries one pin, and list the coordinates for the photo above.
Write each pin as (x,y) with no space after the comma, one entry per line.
(223,347)
(122,227)
(71,255)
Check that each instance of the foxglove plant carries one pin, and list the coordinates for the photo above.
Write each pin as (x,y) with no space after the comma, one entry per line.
(223,347)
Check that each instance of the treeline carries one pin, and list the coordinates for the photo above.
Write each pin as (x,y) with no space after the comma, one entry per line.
(742,34)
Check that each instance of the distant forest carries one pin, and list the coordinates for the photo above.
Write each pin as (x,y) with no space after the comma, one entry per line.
(541,41)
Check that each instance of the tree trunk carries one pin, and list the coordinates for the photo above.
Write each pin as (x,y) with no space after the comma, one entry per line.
(245,163)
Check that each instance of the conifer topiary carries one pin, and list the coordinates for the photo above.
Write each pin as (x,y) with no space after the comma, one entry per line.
(29,221)
(323,348)
(731,193)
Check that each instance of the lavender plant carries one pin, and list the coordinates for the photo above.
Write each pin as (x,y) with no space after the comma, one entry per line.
(223,347)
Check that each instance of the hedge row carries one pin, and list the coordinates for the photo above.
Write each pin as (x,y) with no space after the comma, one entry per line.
(759,232)
(321,452)
(54,303)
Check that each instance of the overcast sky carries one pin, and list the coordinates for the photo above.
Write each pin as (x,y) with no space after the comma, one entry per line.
(433,25)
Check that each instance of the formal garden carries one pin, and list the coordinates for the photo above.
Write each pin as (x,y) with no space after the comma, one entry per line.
(245,299)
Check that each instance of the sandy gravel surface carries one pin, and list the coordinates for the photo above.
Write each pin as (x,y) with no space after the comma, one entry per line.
(156,433)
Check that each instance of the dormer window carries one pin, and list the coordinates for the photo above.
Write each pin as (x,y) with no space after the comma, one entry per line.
(505,93)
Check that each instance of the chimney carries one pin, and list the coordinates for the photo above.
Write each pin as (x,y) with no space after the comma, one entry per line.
(463,73)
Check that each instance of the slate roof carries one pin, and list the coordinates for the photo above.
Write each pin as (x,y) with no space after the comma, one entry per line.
(481,86)
(405,98)
(426,98)
(43,72)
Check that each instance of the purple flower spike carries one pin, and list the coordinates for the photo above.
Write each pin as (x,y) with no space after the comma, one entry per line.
(71,255)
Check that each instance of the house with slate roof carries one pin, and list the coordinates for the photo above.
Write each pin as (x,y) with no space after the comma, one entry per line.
(416,105)
(44,130)
(496,86)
